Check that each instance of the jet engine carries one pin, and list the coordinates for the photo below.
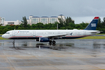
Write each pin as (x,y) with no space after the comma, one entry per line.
(43,39)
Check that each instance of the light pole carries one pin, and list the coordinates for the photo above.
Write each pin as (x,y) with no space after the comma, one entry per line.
(57,26)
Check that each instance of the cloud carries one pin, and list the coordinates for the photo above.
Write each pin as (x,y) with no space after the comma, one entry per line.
(16,9)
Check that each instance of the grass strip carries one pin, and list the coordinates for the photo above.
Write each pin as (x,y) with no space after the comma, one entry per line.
(3,38)
(100,34)
(93,37)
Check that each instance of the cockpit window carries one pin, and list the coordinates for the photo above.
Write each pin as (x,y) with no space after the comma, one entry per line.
(7,33)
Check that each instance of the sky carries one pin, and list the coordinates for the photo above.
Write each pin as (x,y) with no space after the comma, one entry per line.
(78,10)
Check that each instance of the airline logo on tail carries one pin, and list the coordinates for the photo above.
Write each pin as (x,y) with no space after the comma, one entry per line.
(93,24)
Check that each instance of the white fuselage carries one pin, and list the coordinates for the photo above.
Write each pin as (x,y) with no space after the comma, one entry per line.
(34,34)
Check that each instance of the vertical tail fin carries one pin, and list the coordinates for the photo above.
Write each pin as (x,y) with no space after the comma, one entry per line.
(93,24)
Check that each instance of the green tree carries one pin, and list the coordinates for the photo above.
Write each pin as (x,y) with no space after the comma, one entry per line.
(24,22)
(103,23)
(33,26)
(83,25)
(69,23)
(100,24)
(68,20)
(61,22)
(49,26)
(39,26)
(55,25)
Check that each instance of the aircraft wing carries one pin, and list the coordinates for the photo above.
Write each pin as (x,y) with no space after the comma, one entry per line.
(55,36)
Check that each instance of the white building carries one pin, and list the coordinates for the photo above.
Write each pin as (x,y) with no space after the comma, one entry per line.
(61,16)
(4,23)
(53,19)
(44,19)
(34,20)
(11,23)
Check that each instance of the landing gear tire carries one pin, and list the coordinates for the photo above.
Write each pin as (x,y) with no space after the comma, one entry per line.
(52,42)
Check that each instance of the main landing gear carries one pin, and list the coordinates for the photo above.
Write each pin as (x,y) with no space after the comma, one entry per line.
(52,42)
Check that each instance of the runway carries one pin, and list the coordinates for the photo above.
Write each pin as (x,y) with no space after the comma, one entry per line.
(73,54)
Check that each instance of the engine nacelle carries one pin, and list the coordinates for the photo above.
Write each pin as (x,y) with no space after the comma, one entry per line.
(42,39)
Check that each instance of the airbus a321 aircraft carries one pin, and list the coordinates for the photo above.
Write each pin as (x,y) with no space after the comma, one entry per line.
(51,35)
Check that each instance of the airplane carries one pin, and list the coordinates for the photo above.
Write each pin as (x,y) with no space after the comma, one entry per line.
(51,35)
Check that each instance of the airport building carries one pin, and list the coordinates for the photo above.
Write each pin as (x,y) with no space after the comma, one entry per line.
(11,23)
(53,19)
(4,23)
(44,19)
(34,20)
